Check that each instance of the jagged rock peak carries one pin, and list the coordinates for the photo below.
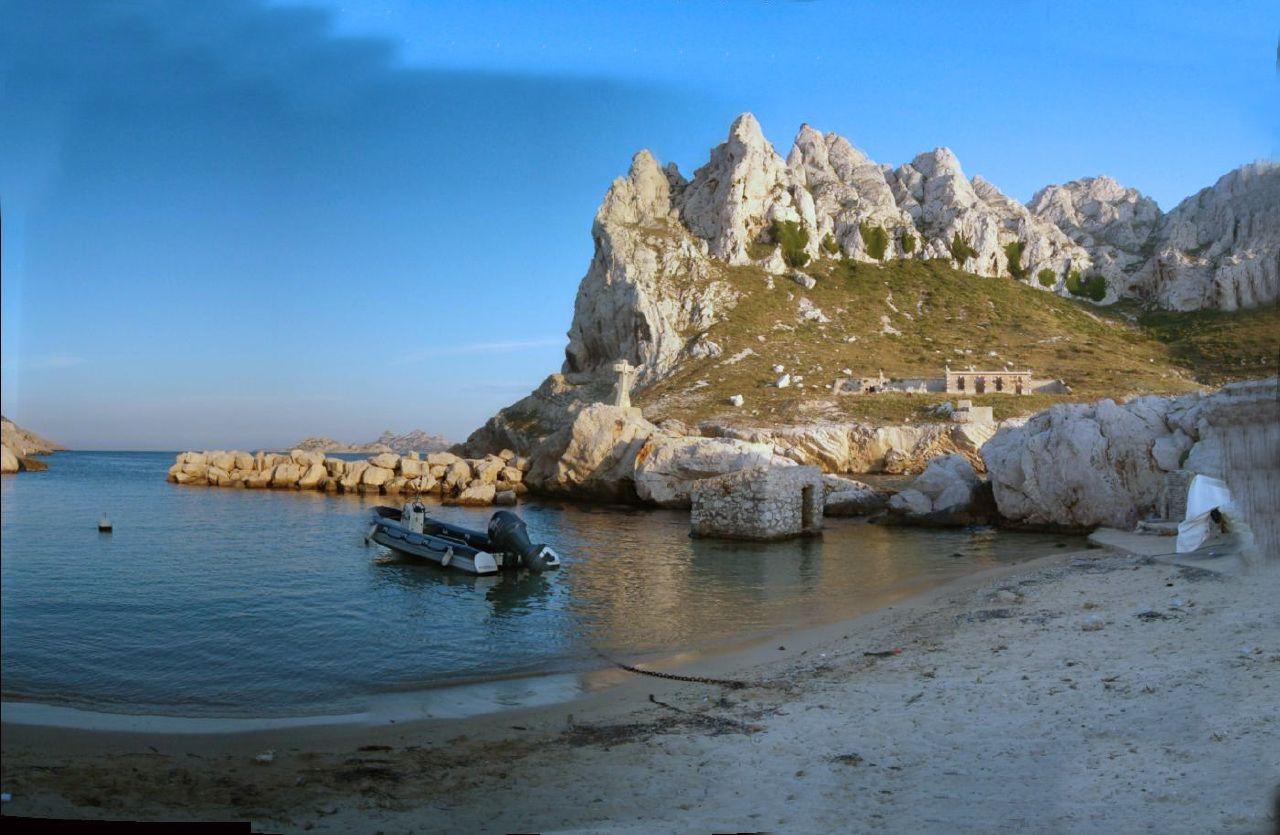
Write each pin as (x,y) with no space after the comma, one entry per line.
(1098,210)
(728,199)
(643,196)
(1219,248)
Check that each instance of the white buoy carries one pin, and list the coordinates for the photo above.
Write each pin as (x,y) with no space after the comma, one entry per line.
(104,524)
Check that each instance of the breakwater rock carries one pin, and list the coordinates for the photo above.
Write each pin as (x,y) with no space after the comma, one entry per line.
(493,479)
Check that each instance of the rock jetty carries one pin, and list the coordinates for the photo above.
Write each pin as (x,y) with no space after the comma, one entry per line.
(493,479)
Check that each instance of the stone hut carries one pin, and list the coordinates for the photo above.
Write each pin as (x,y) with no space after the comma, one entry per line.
(966,412)
(760,503)
(972,381)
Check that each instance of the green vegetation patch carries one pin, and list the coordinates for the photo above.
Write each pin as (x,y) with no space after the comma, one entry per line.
(829,245)
(793,238)
(1046,278)
(1091,287)
(875,239)
(1013,251)
(908,243)
(960,249)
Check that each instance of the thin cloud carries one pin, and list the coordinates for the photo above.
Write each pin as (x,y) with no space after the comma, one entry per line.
(481,348)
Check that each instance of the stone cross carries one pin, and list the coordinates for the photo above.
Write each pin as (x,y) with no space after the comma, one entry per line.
(626,376)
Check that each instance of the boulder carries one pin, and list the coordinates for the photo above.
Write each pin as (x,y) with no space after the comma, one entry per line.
(224,461)
(314,476)
(336,467)
(350,480)
(478,493)
(1079,466)
(489,469)
(413,467)
(243,461)
(386,461)
(306,459)
(846,497)
(666,467)
(947,493)
(375,476)
(442,459)
(258,479)
(511,475)
(594,456)
(505,497)
(286,475)
(457,475)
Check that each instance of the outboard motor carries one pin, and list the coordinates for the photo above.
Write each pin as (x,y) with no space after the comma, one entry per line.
(414,516)
(508,533)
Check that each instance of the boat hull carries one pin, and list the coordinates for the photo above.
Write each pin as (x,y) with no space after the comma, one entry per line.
(451,546)
(442,552)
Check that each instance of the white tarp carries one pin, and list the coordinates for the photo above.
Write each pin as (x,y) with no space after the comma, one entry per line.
(1204,495)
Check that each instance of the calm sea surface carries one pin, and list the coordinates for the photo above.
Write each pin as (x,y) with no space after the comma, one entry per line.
(209,601)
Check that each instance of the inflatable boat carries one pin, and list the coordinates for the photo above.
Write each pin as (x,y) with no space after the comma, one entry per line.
(504,546)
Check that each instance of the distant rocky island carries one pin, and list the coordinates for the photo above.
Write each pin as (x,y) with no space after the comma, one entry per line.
(19,445)
(409,442)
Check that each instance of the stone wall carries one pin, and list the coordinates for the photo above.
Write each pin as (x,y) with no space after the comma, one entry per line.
(761,503)
(479,481)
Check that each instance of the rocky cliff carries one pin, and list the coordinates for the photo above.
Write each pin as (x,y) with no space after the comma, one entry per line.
(1218,249)
(664,244)
(17,445)
(755,258)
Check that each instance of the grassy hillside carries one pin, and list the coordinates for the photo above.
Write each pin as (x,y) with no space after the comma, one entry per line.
(946,316)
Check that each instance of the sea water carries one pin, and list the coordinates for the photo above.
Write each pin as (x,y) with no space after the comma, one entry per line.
(227,602)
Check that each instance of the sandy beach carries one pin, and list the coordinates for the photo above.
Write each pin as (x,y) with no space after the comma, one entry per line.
(1090,691)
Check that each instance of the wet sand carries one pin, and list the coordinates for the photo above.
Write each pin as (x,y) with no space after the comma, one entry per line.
(1081,692)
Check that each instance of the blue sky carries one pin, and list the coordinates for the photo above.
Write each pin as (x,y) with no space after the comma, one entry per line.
(236,223)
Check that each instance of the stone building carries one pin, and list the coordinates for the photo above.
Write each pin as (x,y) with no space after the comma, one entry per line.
(966,412)
(761,503)
(971,381)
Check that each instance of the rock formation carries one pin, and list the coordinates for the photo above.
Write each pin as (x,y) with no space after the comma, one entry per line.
(455,480)
(662,242)
(415,441)
(669,252)
(948,493)
(18,447)
(1219,248)
(1083,465)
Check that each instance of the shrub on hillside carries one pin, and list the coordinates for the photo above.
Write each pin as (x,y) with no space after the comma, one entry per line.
(1013,251)
(875,239)
(908,243)
(1094,287)
(829,245)
(960,249)
(1047,278)
(793,238)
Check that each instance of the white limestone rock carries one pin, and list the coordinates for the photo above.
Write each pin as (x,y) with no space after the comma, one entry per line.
(594,456)
(650,282)
(1219,248)
(847,497)
(666,467)
(1111,222)
(738,193)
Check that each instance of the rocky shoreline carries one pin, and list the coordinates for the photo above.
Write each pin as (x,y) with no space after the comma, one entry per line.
(1073,467)
(18,448)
